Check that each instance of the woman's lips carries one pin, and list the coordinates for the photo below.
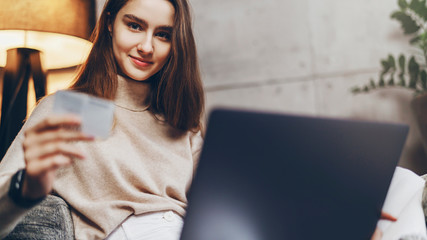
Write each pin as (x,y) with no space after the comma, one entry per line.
(141,62)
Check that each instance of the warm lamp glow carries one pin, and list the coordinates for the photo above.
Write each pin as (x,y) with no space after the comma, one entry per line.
(59,29)
(58,50)
(35,36)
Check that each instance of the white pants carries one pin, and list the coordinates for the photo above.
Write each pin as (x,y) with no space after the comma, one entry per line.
(165,225)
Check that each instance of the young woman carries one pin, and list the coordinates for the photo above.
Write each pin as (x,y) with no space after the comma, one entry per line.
(144,59)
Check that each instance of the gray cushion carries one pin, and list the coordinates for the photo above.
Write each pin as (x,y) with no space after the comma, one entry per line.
(49,220)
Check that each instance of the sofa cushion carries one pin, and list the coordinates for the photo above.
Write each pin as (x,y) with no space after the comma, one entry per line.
(49,220)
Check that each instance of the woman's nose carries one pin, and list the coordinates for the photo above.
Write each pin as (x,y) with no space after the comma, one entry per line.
(146,45)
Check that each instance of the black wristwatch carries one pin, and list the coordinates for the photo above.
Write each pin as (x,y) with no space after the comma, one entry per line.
(15,191)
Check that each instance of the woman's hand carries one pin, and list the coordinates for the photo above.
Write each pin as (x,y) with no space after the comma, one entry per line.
(378,233)
(47,146)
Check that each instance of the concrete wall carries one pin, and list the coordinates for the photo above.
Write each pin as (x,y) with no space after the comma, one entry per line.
(294,56)
(303,56)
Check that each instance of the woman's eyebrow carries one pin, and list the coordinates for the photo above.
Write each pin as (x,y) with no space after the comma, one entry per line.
(136,19)
(144,23)
(166,28)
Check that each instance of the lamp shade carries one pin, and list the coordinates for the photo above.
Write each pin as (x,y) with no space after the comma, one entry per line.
(59,29)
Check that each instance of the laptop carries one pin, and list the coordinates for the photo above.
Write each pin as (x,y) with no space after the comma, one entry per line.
(275,176)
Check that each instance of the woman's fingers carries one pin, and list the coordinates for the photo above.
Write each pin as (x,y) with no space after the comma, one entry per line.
(387,216)
(50,128)
(41,152)
(50,157)
(52,163)
(55,135)
(55,121)
(377,234)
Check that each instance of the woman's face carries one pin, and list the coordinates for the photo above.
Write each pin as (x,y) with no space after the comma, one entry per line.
(141,35)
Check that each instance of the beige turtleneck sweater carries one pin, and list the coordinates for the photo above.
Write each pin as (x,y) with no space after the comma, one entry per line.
(143,166)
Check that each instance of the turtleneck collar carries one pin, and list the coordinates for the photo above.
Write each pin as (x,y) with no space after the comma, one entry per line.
(132,95)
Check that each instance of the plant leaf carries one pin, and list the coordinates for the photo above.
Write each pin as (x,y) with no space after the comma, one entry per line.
(401,81)
(402,64)
(365,89)
(419,7)
(413,69)
(391,81)
(407,23)
(386,66)
(391,62)
(403,4)
(356,90)
(415,40)
(423,78)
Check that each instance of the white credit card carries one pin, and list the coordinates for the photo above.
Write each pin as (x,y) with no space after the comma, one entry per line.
(96,113)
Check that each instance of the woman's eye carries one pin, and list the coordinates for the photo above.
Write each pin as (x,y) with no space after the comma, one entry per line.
(134,26)
(164,36)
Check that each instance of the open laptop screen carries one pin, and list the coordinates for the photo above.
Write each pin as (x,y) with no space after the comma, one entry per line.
(275,176)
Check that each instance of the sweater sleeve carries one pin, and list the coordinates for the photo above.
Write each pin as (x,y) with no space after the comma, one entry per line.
(10,213)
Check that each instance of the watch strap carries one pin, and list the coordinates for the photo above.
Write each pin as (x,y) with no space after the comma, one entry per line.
(15,191)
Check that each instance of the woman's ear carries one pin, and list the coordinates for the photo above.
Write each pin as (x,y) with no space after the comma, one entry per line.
(110,29)
(110,24)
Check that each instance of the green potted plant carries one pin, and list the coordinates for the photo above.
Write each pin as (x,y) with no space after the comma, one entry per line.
(410,74)
(405,71)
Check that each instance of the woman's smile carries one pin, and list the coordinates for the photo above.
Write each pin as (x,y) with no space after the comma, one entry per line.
(140,62)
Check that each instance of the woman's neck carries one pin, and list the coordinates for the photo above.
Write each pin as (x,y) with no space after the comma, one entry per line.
(132,94)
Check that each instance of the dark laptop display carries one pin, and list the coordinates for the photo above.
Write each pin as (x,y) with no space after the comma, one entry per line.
(273,176)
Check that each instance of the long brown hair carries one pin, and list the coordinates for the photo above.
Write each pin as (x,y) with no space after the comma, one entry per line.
(176,90)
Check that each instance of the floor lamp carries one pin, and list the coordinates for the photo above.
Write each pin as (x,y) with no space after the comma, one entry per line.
(35,37)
